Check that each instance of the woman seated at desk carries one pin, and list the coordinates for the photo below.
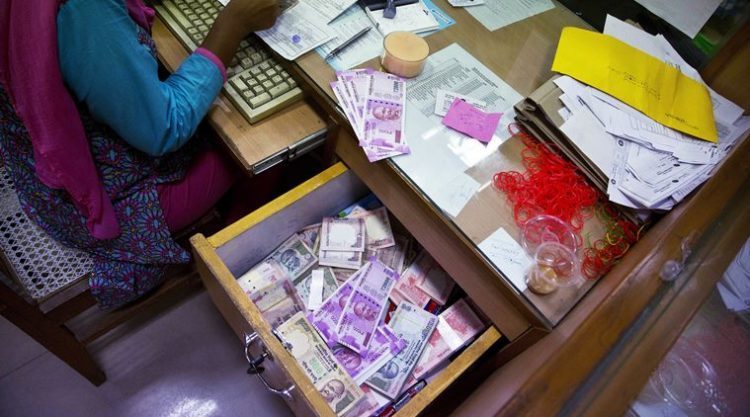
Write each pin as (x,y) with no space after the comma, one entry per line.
(97,146)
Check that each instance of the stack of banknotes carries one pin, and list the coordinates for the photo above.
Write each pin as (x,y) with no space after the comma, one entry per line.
(374,102)
(363,310)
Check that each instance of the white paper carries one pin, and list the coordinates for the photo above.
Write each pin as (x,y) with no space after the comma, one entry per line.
(725,112)
(224,2)
(507,256)
(589,136)
(415,18)
(456,193)
(344,27)
(499,13)
(298,30)
(330,9)
(465,3)
(445,99)
(439,154)
(316,290)
(688,16)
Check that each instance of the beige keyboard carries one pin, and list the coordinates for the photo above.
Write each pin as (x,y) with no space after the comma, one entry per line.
(257,85)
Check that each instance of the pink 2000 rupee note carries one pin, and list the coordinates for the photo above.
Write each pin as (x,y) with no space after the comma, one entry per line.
(326,318)
(384,113)
(457,325)
(385,345)
(366,307)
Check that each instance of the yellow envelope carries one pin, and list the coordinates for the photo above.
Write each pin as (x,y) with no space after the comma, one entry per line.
(646,83)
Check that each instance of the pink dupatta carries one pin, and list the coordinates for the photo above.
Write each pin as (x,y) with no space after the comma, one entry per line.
(30,73)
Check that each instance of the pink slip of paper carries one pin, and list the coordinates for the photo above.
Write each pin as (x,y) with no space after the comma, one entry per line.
(469,120)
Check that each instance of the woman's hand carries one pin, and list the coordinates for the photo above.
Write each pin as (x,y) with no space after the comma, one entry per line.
(235,22)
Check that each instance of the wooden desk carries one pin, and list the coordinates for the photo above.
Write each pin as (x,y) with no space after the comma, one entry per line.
(257,146)
(539,379)
(546,377)
(521,54)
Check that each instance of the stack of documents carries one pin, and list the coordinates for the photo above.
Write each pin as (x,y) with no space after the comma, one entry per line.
(304,26)
(640,163)
(374,103)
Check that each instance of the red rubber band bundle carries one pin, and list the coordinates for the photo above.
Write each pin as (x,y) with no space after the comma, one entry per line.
(605,252)
(553,185)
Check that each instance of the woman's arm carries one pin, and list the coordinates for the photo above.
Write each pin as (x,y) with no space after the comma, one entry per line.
(107,68)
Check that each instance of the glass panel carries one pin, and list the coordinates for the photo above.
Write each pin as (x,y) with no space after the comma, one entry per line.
(521,55)
(704,372)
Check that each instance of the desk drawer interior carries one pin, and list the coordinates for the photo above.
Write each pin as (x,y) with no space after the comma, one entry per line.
(230,253)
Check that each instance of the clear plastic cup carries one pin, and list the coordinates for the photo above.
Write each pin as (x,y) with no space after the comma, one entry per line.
(545,228)
(554,265)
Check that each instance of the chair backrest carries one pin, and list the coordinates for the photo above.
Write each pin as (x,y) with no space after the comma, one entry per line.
(40,265)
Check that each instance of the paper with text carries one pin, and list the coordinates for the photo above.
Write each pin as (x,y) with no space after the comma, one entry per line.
(507,256)
(495,14)
(648,84)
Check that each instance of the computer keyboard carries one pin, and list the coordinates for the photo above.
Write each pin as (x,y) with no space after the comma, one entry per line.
(256,84)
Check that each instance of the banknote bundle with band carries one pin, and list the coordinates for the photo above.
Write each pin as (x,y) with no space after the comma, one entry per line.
(367,313)
(374,102)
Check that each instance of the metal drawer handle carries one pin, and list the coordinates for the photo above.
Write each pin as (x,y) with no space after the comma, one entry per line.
(672,268)
(257,362)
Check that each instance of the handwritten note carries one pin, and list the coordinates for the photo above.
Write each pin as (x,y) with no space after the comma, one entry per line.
(507,256)
(467,119)
(454,195)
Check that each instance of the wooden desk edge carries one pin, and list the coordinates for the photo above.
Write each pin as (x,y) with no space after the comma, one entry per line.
(555,366)
(250,144)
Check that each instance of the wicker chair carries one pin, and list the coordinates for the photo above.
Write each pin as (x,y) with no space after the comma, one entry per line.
(44,287)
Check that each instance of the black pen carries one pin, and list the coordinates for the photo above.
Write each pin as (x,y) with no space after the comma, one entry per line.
(348,42)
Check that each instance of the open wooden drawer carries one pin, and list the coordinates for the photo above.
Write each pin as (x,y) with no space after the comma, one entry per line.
(228,254)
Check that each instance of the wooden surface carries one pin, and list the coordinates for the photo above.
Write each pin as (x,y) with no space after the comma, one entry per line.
(250,144)
(450,374)
(727,72)
(620,382)
(521,54)
(458,257)
(544,378)
(243,316)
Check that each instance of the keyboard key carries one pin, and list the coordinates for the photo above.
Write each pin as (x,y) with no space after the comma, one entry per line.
(239,84)
(177,14)
(279,89)
(260,100)
(257,83)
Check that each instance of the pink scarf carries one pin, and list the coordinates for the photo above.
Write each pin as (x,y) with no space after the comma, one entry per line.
(30,73)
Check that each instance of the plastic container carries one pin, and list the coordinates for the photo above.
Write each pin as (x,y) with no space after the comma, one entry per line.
(553,265)
(544,228)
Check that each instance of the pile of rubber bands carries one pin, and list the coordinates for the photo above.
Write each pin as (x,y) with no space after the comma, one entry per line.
(553,185)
